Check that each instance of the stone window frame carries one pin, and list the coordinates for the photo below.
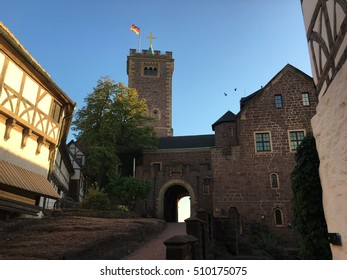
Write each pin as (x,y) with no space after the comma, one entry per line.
(296,140)
(305,97)
(255,142)
(150,66)
(206,189)
(278,101)
(277,181)
(157,163)
(154,112)
(278,217)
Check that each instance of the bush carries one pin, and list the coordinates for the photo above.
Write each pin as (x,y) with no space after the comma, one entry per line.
(266,240)
(96,199)
(309,220)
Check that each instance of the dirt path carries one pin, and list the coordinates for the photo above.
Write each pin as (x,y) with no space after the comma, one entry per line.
(72,237)
(155,249)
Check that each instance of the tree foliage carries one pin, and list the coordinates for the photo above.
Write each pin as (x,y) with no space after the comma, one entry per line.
(113,123)
(128,190)
(309,219)
(97,200)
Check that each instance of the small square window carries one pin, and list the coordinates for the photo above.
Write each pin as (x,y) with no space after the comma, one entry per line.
(156,166)
(262,142)
(278,101)
(295,138)
(305,99)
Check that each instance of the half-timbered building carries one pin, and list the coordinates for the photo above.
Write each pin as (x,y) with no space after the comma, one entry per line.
(35,117)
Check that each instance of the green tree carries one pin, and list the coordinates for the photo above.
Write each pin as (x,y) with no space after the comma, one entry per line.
(309,220)
(113,123)
(128,190)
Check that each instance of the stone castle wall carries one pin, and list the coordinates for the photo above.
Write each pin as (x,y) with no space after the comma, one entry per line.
(242,179)
(186,168)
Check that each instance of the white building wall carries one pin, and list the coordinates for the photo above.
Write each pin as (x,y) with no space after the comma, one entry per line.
(330,130)
(330,125)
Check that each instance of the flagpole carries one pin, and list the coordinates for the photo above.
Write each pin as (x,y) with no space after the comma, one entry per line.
(137,30)
(139,42)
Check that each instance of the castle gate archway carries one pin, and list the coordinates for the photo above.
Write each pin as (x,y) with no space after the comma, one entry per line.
(169,194)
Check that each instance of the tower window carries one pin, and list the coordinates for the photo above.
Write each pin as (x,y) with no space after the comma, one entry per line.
(156,115)
(150,71)
(145,71)
(278,101)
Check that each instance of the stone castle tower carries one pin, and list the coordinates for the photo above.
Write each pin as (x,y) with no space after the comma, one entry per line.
(150,73)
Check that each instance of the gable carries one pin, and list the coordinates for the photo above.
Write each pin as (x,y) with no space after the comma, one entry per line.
(294,76)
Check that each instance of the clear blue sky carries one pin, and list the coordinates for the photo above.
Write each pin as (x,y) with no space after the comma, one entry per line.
(218,46)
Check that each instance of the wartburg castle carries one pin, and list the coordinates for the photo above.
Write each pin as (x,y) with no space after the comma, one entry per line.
(244,166)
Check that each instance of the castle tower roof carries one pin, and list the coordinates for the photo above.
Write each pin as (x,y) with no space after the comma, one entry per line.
(227,117)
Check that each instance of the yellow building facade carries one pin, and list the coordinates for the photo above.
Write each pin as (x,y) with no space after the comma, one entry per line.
(35,117)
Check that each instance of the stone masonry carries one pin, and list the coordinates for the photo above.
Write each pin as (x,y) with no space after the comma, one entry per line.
(242,178)
(245,165)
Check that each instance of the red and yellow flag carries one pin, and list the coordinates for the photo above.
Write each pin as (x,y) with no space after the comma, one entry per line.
(135,29)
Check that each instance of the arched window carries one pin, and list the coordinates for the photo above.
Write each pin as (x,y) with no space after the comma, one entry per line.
(150,70)
(278,217)
(145,71)
(274,180)
(156,114)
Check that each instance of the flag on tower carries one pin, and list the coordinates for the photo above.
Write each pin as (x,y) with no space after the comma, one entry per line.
(135,29)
